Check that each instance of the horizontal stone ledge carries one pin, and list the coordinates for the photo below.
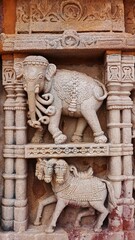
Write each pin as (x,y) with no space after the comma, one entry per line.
(47,41)
(13,176)
(120,178)
(77,150)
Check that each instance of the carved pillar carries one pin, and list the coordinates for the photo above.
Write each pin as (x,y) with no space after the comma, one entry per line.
(14,209)
(113,79)
(127,86)
(20,210)
(9,107)
(120,77)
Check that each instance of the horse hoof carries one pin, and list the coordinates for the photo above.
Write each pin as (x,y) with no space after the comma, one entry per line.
(97,230)
(49,230)
(60,139)
(77,225)
(37,223)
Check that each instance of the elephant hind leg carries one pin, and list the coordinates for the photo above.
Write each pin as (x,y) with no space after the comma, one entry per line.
(103,214)
(81,125)
(90,115)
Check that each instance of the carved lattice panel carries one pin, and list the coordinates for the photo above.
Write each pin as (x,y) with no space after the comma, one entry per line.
(90,15)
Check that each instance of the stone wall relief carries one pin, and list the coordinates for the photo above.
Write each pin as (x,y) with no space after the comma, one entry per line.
(69,92)
(33,16)
(71,187)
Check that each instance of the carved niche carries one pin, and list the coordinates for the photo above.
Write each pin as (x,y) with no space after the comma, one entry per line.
(44,16)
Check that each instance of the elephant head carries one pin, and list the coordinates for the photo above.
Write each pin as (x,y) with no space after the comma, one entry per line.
(34,70)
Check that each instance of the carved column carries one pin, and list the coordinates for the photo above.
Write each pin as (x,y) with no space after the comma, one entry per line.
(127,86)
(9,107)
(120,77)
(20,210)
(113,83)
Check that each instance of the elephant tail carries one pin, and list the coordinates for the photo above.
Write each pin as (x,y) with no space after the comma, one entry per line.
(100,98)
(112,199)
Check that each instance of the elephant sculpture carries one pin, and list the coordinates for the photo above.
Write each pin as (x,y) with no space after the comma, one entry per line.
(74,188)
(71,93)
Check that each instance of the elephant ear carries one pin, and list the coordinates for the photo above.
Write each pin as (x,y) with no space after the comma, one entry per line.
(50,71)
(18,67)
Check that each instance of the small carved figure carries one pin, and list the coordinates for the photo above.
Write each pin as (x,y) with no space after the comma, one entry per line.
(76,188)
(72,93)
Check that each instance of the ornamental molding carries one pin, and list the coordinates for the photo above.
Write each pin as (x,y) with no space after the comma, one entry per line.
(70,39)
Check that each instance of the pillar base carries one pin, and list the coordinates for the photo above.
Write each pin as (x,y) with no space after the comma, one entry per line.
(20,226)
(7,225)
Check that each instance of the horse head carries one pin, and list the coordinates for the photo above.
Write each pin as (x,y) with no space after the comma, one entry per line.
(60,170)
(48,169)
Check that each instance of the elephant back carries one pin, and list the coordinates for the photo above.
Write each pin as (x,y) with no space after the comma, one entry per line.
(72,84)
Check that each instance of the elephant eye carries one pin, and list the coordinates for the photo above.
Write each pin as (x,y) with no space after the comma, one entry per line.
(40,77)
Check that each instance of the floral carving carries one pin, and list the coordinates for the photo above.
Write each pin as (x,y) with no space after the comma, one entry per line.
(8,72)
(71,10)
(70,38)
(114,73)
(127,73)
(44,16)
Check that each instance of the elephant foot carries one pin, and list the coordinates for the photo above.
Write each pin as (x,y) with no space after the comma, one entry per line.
(76,138)
(60,139)
(100,139)
(49,229)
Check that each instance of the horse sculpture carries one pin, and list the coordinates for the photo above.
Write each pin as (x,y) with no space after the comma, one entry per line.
(71,187)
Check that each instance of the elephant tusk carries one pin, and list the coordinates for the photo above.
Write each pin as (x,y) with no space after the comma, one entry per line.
(44,120)
(38,113)
(51,110)
(40,107)
(48,99)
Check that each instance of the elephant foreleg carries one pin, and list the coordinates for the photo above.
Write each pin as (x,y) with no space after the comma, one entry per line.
(53,128)
(61,204)
(81,125)
(42,204)
(90,115)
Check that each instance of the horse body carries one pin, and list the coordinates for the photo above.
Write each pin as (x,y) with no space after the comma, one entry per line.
(72,188)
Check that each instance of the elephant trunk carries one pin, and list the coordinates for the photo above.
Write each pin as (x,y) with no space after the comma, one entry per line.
(32,110)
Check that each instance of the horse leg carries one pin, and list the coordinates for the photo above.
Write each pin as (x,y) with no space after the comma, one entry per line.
(41,205)
(84,213)
(58,209)
(103,213)
(81,125)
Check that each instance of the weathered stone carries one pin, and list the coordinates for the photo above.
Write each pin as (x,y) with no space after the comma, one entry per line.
(93,40)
